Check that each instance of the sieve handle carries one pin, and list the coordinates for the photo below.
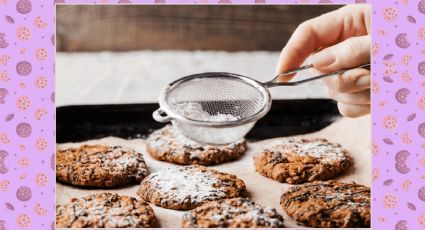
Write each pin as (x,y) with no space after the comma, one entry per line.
(275,81)
(160,116)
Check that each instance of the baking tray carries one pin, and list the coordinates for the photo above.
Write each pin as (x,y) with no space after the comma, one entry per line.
(316,118)
(285,118)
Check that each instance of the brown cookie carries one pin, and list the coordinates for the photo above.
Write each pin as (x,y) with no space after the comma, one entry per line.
(297,160)
(99,166)
(186,187)
(105,210)
(232,213)
(329,204)
(167,144)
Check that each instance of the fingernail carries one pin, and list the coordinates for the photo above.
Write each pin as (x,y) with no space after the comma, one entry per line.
(363,82)
(323,58)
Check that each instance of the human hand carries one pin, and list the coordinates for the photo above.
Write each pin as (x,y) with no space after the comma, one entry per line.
(336,40)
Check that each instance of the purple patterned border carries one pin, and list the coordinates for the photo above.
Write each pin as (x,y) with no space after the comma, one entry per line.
(27,110)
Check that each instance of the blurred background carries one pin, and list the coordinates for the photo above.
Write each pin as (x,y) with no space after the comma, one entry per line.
(128,53)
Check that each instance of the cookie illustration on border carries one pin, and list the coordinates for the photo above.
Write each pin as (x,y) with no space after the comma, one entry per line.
(232,213)
(167,144)
(298,160)
(100,166)
(105,210)
(186,187)
(329,204)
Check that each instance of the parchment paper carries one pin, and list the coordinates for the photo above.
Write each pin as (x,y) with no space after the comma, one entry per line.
(353,134)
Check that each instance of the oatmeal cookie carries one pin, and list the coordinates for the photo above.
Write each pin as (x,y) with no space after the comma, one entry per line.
(99,166)
(186,187)
(232,213)
(167,144)
(329,204)
(297,160)
(105,210)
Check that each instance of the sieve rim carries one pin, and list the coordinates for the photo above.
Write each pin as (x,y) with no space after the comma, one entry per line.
(252,82)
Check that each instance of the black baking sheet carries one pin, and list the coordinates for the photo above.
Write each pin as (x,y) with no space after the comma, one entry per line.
(286,117)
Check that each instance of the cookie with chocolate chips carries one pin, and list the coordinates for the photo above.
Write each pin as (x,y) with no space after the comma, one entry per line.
(232,213)
(299,160)
(167,144)
(186,187)
(329,204)
(99,166)
(105,210)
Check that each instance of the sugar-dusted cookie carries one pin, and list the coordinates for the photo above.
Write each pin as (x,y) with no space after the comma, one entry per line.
(297,160)
(167,144)
(232,213)
(329,204)
(105,210)
(186,187)
(99,166)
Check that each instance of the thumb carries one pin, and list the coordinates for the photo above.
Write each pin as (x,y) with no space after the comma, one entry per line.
(351,52)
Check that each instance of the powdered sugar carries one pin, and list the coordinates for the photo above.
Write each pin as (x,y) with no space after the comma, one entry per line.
(125,161)
(104,210)
(117,156)
(213,133)
(236,212)
(345,198)
(249,212)
(189,186)
(163,137)
(169,138)
(317,148)
(195,111)
(100,165)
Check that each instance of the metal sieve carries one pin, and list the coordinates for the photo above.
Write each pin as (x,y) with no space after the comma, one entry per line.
(217,107)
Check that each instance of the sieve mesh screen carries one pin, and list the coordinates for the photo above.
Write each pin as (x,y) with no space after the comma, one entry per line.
(214,97)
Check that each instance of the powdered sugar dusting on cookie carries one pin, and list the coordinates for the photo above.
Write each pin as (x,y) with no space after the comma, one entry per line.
(104,210)
(187,184)
(100,165)
(248,211)
(169,141)
(236,212)
(317,148)
(295,160)
(125,161)
(347,203)
(171,133)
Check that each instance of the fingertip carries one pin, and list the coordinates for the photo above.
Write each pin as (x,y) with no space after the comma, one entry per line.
(323,58)
(363,82)
(353,111)
(346,111)
(350,81)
